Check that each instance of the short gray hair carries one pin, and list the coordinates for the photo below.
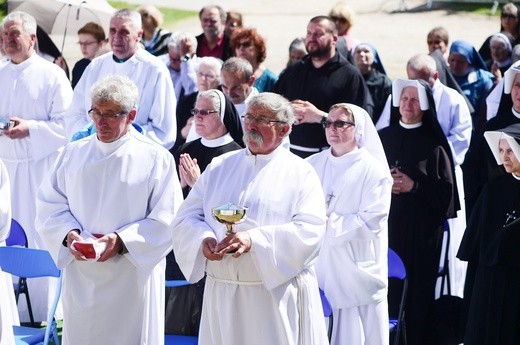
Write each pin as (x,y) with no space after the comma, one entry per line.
(212,96)
(175,40)
(274,104)
(238,67)
(419,62)
(118,89)
(28,21)
(129,15)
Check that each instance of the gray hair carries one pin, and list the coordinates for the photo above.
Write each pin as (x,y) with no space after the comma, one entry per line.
(28,21)
(515,54)
(420,62)
(274,104)
(118,89)
(222,13)
(212,96)
(129,15)
(238,67)
(175,40)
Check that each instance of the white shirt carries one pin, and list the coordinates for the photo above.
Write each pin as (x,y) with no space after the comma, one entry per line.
(131,187)
(274,284)
(157,102)
(358,190)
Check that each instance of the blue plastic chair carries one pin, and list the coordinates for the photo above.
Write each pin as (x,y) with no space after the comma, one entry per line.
(174,339)
(17,235)
(327,312)
(397,270)
(33,263)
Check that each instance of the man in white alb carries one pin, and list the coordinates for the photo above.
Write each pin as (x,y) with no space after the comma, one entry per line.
(118,190)
(34,95)
(157,100)
(260,282)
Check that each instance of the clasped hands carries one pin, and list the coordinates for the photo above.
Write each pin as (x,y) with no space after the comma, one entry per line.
(306,112)
(237,244)
(402,182)
(189,170)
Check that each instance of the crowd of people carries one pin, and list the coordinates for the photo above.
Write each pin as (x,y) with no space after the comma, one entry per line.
(332,162)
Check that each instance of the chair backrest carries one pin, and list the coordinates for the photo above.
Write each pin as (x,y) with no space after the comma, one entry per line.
(27,262)
(396,268)
(17,235)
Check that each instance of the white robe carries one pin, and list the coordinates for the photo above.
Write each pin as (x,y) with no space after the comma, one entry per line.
(157,102)
(39,92)
(268,295)
(8,311)
(131,187)
(455,120)
(352,267)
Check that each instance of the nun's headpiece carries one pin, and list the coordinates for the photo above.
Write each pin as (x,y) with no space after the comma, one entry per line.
(397,89)
(377,64)
(469,52)
(511,134)
(509,76)
(365,132)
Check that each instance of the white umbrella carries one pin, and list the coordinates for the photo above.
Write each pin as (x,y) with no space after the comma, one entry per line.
(65,17)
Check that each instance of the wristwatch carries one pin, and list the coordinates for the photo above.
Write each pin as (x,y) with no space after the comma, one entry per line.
(186,57)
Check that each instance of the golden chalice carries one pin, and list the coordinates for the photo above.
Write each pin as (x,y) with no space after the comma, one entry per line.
(229,214)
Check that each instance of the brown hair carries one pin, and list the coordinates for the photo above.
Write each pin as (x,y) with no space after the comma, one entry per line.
(93,29)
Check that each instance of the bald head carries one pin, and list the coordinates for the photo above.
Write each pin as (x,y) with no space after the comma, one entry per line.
(424,67)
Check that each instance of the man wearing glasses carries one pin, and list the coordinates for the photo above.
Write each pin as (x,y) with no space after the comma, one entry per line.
(260,277)
(157,100)
(110,200)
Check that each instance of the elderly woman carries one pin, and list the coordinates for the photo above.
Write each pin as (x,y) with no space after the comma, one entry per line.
(208,77)
(357,188)
(490,245)
(249,45)
(378,84)
(423,196)
(471,74)
(218,124)
(220,130)
(501,54)
(154,39)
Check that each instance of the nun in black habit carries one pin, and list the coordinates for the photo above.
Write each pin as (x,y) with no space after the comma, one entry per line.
(479,159)
(423,196)
(491,247)
(220,131)
(217,122)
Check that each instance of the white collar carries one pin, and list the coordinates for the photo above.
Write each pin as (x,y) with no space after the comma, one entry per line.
(220,141)
(410,126)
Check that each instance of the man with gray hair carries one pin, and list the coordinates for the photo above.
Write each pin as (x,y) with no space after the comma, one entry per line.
(181,60)
(237,82)
(110,200)
(35,96)
(263,273)
(213,41)
(157,100)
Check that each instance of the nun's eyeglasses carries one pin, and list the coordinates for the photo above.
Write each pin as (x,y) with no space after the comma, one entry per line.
(337,124)
(203,112)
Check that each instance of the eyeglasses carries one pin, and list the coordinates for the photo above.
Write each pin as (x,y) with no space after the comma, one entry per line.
(109,117)
(86,44)
(246,44)
(145,15)
(337,124)
(202,112)
(249,118)
(209,77)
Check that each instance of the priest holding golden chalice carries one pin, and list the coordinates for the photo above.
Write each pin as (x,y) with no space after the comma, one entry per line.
(264,206)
